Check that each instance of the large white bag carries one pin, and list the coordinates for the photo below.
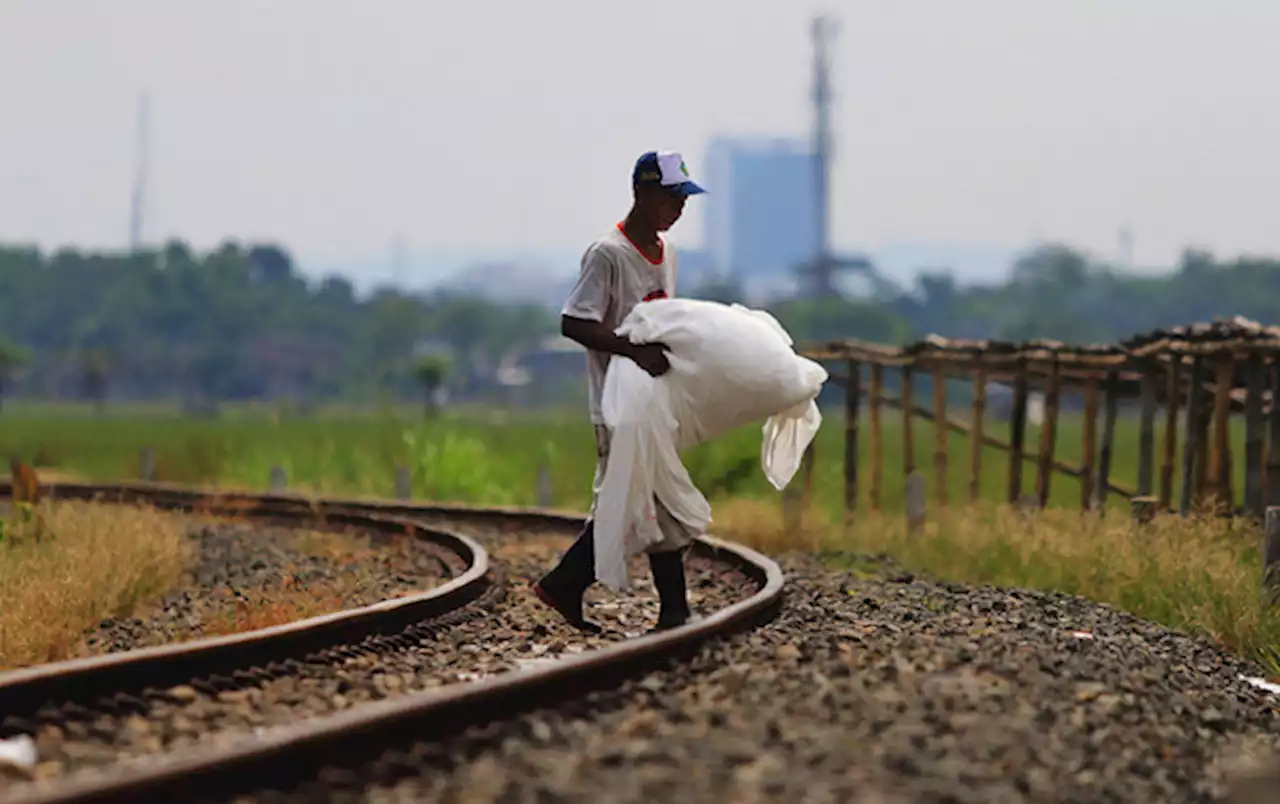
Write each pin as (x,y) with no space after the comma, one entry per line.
(730,366)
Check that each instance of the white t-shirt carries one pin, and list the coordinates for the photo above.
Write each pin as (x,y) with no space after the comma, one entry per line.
(616,276)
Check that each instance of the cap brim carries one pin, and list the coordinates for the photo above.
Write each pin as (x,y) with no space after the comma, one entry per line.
(687,188)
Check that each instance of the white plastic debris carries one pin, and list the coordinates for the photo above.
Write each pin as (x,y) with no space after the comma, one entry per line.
(1262,684)
(1082,634)
(18,753)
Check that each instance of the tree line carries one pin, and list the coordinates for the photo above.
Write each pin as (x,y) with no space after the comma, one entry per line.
(240,321)
(234,323)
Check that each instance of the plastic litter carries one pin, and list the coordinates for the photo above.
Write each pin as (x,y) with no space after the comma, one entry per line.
(18,754)
(730,366)
(1262,684)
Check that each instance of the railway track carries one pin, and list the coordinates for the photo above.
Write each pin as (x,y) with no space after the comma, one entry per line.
(95,702)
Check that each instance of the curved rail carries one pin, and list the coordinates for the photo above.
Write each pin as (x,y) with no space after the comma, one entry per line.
(288,754)
(25,690)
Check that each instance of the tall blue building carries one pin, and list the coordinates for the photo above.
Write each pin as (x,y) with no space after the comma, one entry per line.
(760,213)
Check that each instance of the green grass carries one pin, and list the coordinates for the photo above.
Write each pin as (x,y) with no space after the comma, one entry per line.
(469,458)
(492,457)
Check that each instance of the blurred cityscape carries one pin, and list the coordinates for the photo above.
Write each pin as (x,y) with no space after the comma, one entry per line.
(247,321)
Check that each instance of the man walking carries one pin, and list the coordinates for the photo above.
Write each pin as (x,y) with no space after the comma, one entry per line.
(630,264)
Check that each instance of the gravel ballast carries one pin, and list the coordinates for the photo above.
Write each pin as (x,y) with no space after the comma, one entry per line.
(244,575)
(875,689)
(505,631)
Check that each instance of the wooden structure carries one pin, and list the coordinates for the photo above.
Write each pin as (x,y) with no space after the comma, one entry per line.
(1199,374)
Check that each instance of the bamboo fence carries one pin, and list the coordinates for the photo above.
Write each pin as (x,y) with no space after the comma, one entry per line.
(1200,375)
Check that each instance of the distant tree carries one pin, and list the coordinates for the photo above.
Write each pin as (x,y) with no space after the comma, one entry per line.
(1052,266)
(270,263)
(431,371)
(13,358)
(242,321)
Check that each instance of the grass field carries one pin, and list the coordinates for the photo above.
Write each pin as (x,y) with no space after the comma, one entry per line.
(1199,575)
(493,457)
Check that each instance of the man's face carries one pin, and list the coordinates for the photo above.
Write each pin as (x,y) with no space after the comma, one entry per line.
(664,205)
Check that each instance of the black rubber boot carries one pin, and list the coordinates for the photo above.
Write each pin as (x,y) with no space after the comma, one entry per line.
(563,587)
(668,579)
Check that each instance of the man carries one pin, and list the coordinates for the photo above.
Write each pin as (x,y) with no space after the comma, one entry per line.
(630,264)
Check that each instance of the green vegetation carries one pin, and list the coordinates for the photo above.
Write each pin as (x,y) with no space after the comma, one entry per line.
(492,457)
(241,323)
(235,323)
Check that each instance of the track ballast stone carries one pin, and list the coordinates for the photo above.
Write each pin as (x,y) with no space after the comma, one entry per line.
(507,630)
(874,689)
(240,571)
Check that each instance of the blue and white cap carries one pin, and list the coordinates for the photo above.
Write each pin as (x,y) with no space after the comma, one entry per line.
(666,168)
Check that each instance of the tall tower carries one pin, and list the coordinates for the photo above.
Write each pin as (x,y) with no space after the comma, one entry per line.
(822,31)
(140,175)
(820,271)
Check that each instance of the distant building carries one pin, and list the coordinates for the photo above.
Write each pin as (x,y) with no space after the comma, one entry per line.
(760,209)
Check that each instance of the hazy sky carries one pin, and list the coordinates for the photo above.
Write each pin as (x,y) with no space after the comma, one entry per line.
(333,125)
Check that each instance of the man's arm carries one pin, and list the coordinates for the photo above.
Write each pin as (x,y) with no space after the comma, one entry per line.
(596,336)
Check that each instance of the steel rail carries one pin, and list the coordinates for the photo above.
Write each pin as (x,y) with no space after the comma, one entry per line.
(26,690)
(298,751)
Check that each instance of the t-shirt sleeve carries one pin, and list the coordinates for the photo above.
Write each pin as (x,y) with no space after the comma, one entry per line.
(593,291)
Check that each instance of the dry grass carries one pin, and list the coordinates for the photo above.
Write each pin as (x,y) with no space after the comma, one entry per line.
(65,566)
(1201,575)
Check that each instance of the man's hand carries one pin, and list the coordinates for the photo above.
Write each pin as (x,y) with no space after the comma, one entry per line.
(652,357)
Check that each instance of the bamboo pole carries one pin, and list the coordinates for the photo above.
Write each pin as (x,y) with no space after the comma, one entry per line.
(1170,435)
(976,432)
(1190,444)
(1090,442)
(1110,411)
(1272,483)
(1048,433)
(963,428)
(1254,435)
(1219,455)
(940,434)
(877,434)
(1017,431)
(908,436)
(852,396)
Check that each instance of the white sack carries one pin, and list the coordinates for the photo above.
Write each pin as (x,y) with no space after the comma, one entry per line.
(730,366)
